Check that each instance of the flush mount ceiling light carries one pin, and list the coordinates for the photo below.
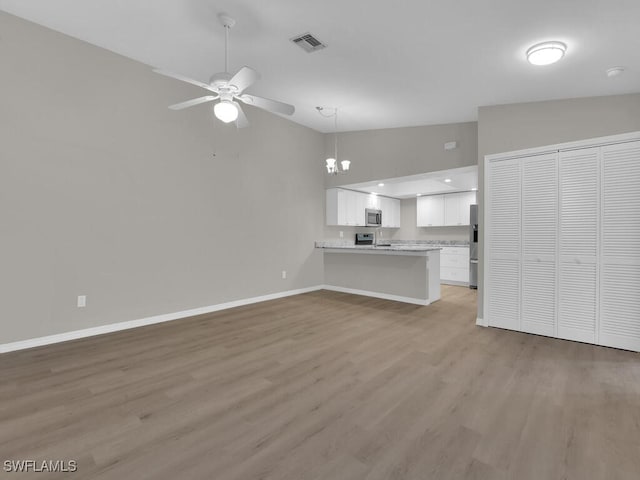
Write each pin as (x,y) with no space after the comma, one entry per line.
(546,53)
(332,162)
(614,71)
(381,184)
(447,180)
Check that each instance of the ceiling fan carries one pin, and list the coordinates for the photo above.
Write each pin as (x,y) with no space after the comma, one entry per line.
(228,88)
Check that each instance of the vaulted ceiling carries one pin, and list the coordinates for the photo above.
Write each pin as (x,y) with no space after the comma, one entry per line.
(387,64)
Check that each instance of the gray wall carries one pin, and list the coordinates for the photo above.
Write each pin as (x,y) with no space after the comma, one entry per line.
(397,152)
(505,128)
(106,192)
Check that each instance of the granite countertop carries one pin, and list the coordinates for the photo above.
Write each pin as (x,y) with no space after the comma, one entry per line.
(390,248)
(395,245)
(439,243)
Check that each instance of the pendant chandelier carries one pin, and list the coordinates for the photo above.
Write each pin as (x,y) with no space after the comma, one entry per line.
(333,166)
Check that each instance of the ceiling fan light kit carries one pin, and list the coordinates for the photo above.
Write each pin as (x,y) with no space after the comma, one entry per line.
(228,88)
(225,111)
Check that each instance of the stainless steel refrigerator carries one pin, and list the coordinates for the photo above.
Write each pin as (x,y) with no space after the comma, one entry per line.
(473,247)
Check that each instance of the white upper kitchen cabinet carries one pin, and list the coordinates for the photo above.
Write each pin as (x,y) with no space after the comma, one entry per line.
(373,201)
(396,208)
(358,206)
(347,208)
(457,208)
(390,212)
(449,209)
(335,215)
(430,211)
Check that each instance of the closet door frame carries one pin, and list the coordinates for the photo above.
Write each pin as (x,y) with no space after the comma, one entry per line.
(484,320)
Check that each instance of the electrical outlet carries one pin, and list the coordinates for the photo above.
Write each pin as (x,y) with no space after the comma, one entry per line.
(341,234)
(284,274)
(82,301)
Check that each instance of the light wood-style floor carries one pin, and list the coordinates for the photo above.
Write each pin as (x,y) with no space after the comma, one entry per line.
(325,386)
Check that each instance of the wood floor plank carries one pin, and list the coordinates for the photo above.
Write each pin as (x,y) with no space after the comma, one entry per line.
(325,385)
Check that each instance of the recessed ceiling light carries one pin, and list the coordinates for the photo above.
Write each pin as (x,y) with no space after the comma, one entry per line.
(447,180)
(546,53)
(418,194)
(474,189)
(373,193)
(614,71)
(381,184)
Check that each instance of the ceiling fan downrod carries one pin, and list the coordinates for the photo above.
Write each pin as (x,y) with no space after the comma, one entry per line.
(228,23)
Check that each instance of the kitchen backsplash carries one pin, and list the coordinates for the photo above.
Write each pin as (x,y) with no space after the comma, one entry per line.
(438,234)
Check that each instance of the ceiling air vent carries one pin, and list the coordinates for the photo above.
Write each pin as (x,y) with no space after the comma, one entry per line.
(308,42)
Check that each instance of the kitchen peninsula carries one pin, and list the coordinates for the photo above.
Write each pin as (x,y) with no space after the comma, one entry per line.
(407,273)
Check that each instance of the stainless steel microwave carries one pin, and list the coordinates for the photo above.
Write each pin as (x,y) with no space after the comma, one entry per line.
(373,217)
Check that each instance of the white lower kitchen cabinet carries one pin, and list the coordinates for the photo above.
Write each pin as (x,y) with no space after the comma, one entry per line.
(561,242)
(454,266)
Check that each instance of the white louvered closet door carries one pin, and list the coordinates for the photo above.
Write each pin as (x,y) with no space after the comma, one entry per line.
(620,253)
(539,240)
(578,228)
(503,245)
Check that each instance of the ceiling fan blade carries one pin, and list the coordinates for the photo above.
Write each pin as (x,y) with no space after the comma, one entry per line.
(242,121)
(267,104)
(182,78)
(245,77)
(191,103)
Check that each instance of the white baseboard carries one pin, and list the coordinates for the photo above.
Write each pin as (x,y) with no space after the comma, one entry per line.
(454,283)
(384,296)
(480,321)
(167,317)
